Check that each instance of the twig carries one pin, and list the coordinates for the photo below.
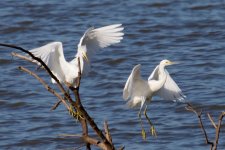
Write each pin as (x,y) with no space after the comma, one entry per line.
(42,63)
(212,121)
(45,85)
(35,62)
(218,129)
(85,131)
(23,57)
(191,108)
(26,58)
(77,105)
(79,73)
(56,105)
(95,142)
(107,133)
(122,148)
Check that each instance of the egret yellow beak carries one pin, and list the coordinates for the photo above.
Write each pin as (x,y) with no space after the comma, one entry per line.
(173,62)
(84,54)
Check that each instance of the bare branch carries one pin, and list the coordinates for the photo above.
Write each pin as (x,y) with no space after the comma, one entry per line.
(93,141)
(85,132)
(218,129)
(212,121)
(56,105)
(122,148)
(77,105)
(45,85)
(107,133)
(23,57)
(199,115)
(42,63)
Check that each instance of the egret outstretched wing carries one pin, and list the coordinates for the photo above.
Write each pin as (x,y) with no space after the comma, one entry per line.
(135,74)
(154,75)
(52,55)
(95,39)
(170,90)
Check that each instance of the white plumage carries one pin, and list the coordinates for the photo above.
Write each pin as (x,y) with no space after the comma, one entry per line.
(139,92)
(92,40)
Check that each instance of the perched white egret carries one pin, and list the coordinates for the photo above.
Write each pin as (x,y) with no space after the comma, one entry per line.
(92,40)
(139,92)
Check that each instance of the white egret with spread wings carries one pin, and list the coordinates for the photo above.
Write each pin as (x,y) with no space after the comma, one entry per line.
(139,92)
(92,40)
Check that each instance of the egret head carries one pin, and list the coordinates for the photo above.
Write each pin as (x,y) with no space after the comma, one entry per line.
(166,62)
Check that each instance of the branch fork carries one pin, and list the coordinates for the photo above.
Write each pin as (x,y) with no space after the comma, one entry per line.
(74,107)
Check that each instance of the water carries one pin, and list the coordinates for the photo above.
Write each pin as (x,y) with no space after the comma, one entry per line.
(186,31)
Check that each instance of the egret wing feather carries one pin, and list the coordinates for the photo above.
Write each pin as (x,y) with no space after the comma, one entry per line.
(95,39)
(154,75)
(170,90)
(52,55)
(135,74)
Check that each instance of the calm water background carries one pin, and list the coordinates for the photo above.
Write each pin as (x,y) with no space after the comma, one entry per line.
(186,31)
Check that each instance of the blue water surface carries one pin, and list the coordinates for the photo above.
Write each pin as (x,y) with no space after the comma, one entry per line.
(191,32)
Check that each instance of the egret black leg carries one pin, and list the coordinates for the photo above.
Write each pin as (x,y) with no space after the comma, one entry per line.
(152,129)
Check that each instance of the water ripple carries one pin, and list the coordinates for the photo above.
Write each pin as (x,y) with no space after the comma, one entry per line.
(189,32)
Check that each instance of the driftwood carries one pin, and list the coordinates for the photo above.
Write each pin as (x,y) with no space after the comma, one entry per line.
(214,144)
(74,107)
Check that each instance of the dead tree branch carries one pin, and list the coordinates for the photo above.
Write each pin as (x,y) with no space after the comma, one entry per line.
(35,62)
(199,114)
(23,57)
(107,133)
(218,129)
(212,121)
(42,64)
(77,105)
(47,87)
(189,107)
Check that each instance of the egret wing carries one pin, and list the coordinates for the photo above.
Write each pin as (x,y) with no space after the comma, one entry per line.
(95,39)
(52,55)
(170,90)
(135,74)
(154,75)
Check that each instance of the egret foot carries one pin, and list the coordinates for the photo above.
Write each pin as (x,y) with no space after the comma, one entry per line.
(76,114)
(152,129)
(143,133)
